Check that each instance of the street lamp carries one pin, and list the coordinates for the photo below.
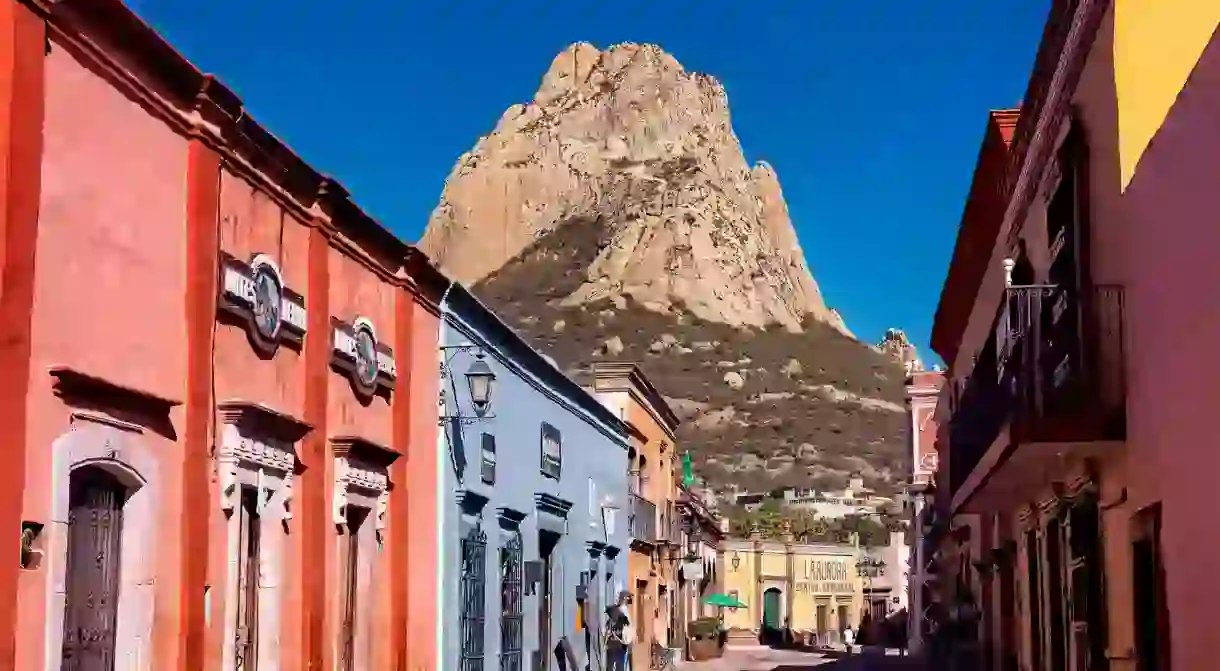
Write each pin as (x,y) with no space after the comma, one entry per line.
(481,380)
(736,561)
(869,567)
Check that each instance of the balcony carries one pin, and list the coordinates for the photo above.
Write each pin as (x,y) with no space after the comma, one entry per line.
(985,404)
(669,525)
(642,521)
(1063,351)
(1052,371)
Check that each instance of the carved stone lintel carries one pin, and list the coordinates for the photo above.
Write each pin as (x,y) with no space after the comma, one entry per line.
(259,439)
(256,455)
(361,466)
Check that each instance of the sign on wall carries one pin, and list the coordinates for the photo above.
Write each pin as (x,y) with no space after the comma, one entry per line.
(356,351)
(255,293)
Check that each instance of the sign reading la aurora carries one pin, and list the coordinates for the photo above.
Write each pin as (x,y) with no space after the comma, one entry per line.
(369,363)
(256,293)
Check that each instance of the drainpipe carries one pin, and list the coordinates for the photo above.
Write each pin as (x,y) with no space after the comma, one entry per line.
(441,464)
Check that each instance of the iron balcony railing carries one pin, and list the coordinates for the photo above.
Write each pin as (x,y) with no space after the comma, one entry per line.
(634,482)
(1064,353)
(1053,370)
(982,408)
(669,523)
(642,522)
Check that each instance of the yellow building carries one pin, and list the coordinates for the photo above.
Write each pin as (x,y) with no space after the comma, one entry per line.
(810,588)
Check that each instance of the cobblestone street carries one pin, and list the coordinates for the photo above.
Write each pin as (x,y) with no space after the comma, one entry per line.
(767,659)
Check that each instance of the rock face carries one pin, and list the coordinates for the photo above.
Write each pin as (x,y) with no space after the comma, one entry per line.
(614,219)
(630,139)
(895,344)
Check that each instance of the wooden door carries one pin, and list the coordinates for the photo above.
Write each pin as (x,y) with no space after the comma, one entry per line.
(248,546)
(1033,601)
(771,607)
(823,624)
(1151,606)
(1085,590)
(350,558)
(95,531)
(1054,649)
(843,624)
(545,645)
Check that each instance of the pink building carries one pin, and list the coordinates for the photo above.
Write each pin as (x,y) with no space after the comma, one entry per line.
(218,405)
(922,390)
(1078,426)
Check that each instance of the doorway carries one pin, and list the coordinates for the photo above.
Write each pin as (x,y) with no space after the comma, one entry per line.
(95,531)
(350,561)
(546,591)
(772,600)
(246,611)
(1151,607)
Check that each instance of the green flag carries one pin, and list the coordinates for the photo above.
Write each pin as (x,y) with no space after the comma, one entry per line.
(688,472)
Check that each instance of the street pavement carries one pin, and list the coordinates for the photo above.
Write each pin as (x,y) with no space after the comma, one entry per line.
(767,659)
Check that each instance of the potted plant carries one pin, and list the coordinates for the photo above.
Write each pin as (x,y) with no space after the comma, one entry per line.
(706,640)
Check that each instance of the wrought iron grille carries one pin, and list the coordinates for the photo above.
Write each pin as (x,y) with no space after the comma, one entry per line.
(474,580)
(511,611)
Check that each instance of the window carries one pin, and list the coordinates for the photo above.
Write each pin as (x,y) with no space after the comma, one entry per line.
(512,632)
(473,598)
(489,459)
(552,451)
(246,612)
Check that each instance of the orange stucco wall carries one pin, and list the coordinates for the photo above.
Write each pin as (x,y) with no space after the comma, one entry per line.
(108,296)
(113,223)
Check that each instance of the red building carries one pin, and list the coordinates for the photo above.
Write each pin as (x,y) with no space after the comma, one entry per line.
(216,450)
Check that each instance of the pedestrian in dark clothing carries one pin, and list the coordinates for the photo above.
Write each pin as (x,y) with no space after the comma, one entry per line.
(617,623)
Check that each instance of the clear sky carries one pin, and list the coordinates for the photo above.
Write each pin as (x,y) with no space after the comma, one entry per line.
(871,111)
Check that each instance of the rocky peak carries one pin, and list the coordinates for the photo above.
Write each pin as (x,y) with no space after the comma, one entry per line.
(896,344)
(628,138)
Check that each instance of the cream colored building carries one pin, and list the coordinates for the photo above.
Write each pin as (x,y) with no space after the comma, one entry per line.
(810,588)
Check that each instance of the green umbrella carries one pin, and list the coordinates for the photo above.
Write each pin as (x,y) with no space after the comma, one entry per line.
(723,601)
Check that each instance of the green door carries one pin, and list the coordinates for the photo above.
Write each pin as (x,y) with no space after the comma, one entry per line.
(771,608)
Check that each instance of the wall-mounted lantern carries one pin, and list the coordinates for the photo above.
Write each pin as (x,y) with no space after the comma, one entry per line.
(736,561)
(480,381)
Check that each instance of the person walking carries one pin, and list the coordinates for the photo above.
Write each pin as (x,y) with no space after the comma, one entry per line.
(618,634)
(849,639)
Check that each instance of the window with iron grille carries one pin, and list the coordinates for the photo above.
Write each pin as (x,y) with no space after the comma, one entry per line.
(488,469)
(473,583)
(552,451)
(511,593)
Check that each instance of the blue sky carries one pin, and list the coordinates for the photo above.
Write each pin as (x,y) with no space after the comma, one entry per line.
(871,111)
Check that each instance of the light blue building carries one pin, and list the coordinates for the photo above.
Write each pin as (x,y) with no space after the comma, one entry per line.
(533,495)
